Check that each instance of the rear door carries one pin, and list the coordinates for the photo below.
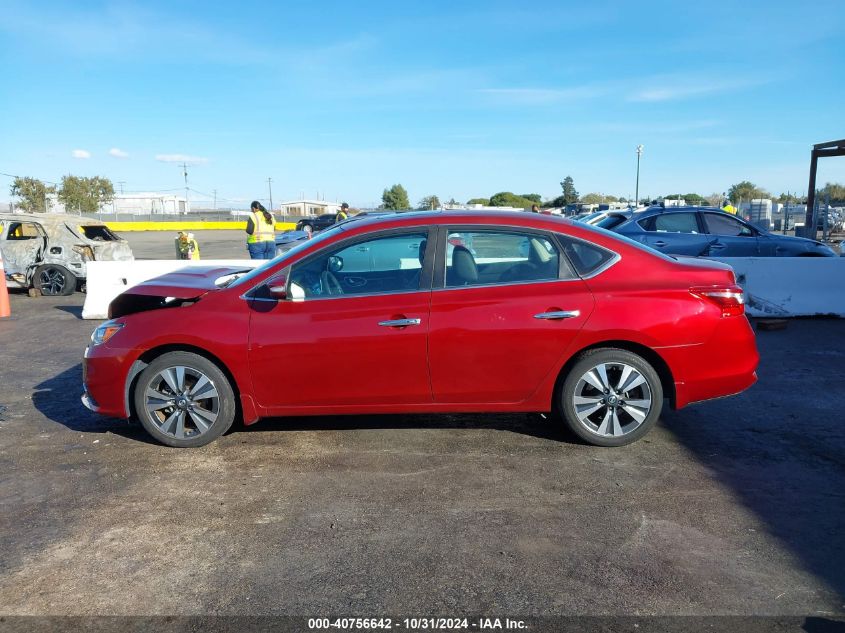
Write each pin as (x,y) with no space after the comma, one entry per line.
(675,233)
(503,313)
(730,237)
(23,244)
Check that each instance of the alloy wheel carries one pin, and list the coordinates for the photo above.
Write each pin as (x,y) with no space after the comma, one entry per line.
(612,399)
(52,281)
(182,401)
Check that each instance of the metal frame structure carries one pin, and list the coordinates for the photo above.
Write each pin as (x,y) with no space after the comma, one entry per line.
(821,150)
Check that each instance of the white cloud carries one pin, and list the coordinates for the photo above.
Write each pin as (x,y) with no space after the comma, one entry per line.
(180,158)
(671,89)
(547,95)
(118,153)
(81,153)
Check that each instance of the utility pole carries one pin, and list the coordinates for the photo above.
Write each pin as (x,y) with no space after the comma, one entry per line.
(270,187)
(120,183)
(185,174)
(637,194)
(214,191)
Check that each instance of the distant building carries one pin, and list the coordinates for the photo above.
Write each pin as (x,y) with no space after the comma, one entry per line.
(308,207)
(152,203)
(674,202)
(478,207)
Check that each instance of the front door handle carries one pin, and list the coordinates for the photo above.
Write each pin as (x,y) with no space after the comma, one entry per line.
(558,315)
(660,243)
(400,322)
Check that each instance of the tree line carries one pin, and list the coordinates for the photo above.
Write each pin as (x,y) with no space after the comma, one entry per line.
(76,193)
(88,195)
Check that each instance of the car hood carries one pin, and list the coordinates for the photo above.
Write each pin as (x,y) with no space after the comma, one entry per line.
(801,242)
(180,287)
(187,283)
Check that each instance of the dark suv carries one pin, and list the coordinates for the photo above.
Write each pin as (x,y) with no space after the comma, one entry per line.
(708,231)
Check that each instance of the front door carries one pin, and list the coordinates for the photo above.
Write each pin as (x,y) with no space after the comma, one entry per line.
(353,330)
(730,237)
(506,312)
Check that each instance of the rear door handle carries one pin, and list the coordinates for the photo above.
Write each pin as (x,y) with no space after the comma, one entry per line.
(400,322)
(660,243)
(558,315)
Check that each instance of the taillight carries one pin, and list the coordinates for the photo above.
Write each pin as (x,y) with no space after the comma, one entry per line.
(730,299)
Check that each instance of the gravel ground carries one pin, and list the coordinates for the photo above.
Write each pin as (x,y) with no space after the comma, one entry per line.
(735,506)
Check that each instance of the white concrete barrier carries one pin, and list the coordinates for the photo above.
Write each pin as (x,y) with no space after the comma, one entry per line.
(774,286)
(106,280)
(791,286)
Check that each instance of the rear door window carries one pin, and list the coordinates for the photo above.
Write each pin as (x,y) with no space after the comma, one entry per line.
(22,231)
(479,258)
(671,223)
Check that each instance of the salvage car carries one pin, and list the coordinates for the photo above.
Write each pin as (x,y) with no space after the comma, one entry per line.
(710,232)
(542,315)
(50,251)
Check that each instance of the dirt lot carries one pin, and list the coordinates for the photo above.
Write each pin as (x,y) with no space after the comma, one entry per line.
(731,507)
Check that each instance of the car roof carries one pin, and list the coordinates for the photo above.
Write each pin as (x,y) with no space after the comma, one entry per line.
(52,219)
(455,217)
(684,209)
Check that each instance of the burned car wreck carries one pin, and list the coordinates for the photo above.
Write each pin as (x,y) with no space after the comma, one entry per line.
(49,252)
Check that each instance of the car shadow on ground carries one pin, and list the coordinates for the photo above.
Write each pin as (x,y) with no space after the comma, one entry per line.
(786,467)
(533,425)
(58,398)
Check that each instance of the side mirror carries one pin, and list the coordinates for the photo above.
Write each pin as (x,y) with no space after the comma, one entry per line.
(278,286)
(335,264)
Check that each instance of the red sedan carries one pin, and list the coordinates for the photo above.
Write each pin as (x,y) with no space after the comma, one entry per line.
(427,312)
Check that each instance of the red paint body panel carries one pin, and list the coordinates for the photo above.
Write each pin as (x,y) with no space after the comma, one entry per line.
(486,346)
(476,349)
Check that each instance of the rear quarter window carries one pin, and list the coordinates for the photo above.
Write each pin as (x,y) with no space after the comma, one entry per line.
(585,257)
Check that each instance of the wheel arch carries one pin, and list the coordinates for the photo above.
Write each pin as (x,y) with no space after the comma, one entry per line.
(151,354)
(654,359)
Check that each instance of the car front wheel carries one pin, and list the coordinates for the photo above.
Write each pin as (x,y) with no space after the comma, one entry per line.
(184,400)
(54,280)
(611,397)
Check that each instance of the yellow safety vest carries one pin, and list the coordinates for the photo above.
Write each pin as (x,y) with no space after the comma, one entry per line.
(729,208)
(263,230)
(341,216)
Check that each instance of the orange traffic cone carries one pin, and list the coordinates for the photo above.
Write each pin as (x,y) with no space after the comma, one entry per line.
(5,309)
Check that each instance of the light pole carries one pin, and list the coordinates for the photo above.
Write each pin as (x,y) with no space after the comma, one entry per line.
(637,191)
(270,187)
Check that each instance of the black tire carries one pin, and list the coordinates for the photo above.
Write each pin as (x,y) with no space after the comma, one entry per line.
(53,280)
(614,412)
(187,414)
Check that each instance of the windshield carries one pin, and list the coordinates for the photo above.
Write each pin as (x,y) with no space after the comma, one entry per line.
(608,222)
(255,272)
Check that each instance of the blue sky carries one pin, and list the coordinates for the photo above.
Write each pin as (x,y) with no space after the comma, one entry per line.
(458,99)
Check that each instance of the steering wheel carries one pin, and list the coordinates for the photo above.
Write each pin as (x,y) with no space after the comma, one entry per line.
(329,284)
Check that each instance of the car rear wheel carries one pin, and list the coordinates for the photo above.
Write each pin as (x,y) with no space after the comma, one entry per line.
(184,400)
(54,280)
(611,397)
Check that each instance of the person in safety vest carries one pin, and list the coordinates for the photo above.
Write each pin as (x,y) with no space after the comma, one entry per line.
(261,229)
(729,208)
(343,214)
(186,246)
